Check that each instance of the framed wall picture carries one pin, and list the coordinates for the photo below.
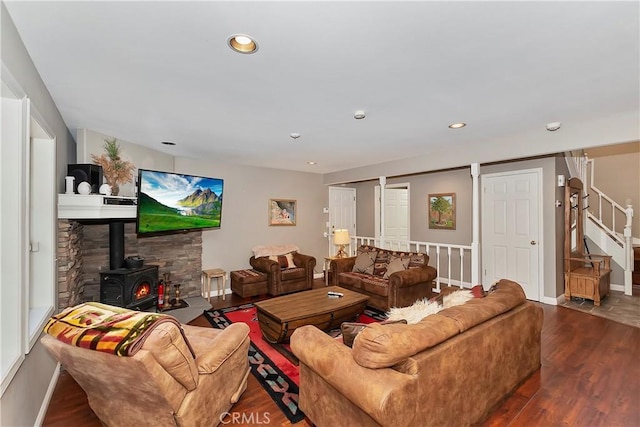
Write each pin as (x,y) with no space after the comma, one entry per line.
(282,212)
(442,211)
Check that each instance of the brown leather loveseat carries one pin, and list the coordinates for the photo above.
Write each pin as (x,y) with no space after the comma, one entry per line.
(389,278)
(451,368)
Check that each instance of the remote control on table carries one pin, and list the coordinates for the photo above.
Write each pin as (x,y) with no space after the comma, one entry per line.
(335,294)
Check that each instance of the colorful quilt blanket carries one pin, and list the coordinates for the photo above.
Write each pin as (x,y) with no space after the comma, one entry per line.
(105,328)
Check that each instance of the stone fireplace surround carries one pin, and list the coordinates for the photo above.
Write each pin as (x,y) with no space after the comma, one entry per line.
(83,250)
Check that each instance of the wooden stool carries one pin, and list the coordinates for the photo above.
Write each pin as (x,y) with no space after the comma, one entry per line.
(216,273)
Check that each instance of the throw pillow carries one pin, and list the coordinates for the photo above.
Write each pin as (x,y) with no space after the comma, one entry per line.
(280,259)
(290,262)
(285,261)
(350,330)
(367,248)
(478,291)
(364,262)
(417,260)
(382,261)
(396,264)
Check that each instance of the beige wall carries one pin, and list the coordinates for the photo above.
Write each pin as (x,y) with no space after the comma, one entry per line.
(420,186)
(244,224)
(617,174)
(22,400)
(91,142)
(365,202)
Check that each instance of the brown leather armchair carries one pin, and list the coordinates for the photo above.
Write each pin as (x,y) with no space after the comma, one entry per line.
(286,280)
(162,384)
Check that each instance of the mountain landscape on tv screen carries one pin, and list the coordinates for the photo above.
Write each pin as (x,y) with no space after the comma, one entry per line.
(200,209)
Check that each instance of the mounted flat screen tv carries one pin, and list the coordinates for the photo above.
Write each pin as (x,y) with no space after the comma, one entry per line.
(173,202)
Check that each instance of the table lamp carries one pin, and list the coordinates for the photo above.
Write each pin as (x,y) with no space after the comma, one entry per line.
(341,239)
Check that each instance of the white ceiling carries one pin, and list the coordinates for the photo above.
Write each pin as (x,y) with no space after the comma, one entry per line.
(147,72)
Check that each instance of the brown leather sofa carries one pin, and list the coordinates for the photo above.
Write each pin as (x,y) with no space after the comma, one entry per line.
(282,280)
(162,384)
(451,368)
(400,289)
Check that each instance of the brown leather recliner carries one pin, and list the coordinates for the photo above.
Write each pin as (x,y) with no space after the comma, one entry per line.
(286,280)
(162,384)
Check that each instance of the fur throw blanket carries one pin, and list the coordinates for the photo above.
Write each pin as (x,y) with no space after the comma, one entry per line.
(424,307)
(106,328)
(267,250)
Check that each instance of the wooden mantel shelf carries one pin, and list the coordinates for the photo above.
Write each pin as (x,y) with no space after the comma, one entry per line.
(96,206)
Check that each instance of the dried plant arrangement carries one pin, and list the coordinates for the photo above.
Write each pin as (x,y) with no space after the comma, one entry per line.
(115,170)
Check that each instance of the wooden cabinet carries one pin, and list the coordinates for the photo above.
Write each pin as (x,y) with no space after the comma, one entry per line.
(585,275)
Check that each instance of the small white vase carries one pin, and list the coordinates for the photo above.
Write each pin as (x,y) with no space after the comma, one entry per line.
(69,184)
(105,189)
(84,188)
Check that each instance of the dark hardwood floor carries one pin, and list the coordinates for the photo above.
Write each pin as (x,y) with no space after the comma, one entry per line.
(590,376)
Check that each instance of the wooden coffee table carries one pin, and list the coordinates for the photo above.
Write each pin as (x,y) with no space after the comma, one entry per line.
(279,317)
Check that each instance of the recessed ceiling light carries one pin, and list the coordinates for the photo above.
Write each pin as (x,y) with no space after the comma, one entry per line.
(168,143)
(312,163)
(359,115)
(457,125)
(242,43)
(294,135)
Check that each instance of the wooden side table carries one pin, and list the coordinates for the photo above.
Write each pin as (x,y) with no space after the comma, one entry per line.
(214,273)
(327,264)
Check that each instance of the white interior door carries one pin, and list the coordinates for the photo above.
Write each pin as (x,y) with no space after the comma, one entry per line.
(396,212)
(342,213)
(511,229)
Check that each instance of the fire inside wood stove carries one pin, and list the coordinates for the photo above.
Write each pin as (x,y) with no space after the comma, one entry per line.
(134,288)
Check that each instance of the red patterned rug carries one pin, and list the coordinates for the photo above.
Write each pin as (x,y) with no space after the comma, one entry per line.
(274,366)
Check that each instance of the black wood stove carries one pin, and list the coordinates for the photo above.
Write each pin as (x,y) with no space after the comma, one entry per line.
(134,288)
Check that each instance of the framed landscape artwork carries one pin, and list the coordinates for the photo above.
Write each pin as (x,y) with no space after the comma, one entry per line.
(442,211)
(282,212)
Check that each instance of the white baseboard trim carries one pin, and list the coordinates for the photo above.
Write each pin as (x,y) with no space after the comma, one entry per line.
(217,293)
(47,397)
(318,275)
(619,288)
(553,301)
(560,299)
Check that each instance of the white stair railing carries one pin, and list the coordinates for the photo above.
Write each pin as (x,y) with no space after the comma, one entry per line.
(602,211)
(577,164)
(604,216)
(453,262)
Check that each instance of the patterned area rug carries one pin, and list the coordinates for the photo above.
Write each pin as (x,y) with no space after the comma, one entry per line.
(274,366)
